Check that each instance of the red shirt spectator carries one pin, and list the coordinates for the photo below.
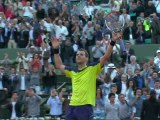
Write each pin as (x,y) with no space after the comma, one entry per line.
(9,13)
(39,41)
(1,8)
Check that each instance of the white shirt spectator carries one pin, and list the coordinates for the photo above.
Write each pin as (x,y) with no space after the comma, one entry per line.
(55,105)
(157,5)
(61,32)
(157,59)
(89,10)
(28,11)
(13,115)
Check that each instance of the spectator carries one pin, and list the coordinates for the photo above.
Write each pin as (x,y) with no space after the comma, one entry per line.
(55,102)
(111,70)
(130,90)
(60,31)
(14,106)
(98,51)
(99,109)
(133,65)
(127,54)
(49,78)
(112,108)
(150,108)
(12,80)
(32,100)
(126,112)
(124,18)
(155,26)
(28,11)
(137,103)
(139,81)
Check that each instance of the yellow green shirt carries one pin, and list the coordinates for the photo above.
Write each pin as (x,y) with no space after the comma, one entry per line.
(83,84)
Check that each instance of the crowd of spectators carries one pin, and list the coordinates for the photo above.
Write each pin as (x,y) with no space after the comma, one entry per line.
(121,88)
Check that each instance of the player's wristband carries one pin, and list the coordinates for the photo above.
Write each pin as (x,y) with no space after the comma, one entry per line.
(56,51)
(112,43)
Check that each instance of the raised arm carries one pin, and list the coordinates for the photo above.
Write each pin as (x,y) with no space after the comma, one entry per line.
(57,59)
(107,54)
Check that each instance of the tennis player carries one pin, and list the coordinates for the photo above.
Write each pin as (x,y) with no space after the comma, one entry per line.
(83,80)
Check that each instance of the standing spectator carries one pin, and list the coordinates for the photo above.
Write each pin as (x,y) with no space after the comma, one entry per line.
(99,109)
(32,100)
(60,31)
(157,88)
(36,63)
(130,90)
(35,79)
(112,108)
(88,33)
(110,69)
(151,80)
(122,84)
(155,26)
(23,82)
(55,102)
(150,108)
(49,78)
(28,11)
(22,61)
(98,51)
(150,9)
(106,86)
(124,18)
(137,103)
(127,54)
(139,80)
(12,36)
(67,53)
(3,98)
(40,14)
(157,60)
(12,80)
(3,42)
(140,34)
(126,112)
(6,62)
(14,106)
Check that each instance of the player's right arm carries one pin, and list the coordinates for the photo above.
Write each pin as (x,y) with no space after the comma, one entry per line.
(57,59)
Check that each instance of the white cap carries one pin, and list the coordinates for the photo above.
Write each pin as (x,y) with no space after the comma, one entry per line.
(158,51)
(111,65)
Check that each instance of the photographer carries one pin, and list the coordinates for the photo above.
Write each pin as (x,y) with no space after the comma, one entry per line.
(140,34)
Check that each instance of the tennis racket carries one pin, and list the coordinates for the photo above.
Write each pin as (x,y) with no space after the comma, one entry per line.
(112,23)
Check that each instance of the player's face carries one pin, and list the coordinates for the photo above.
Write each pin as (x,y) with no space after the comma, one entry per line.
(81,57)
